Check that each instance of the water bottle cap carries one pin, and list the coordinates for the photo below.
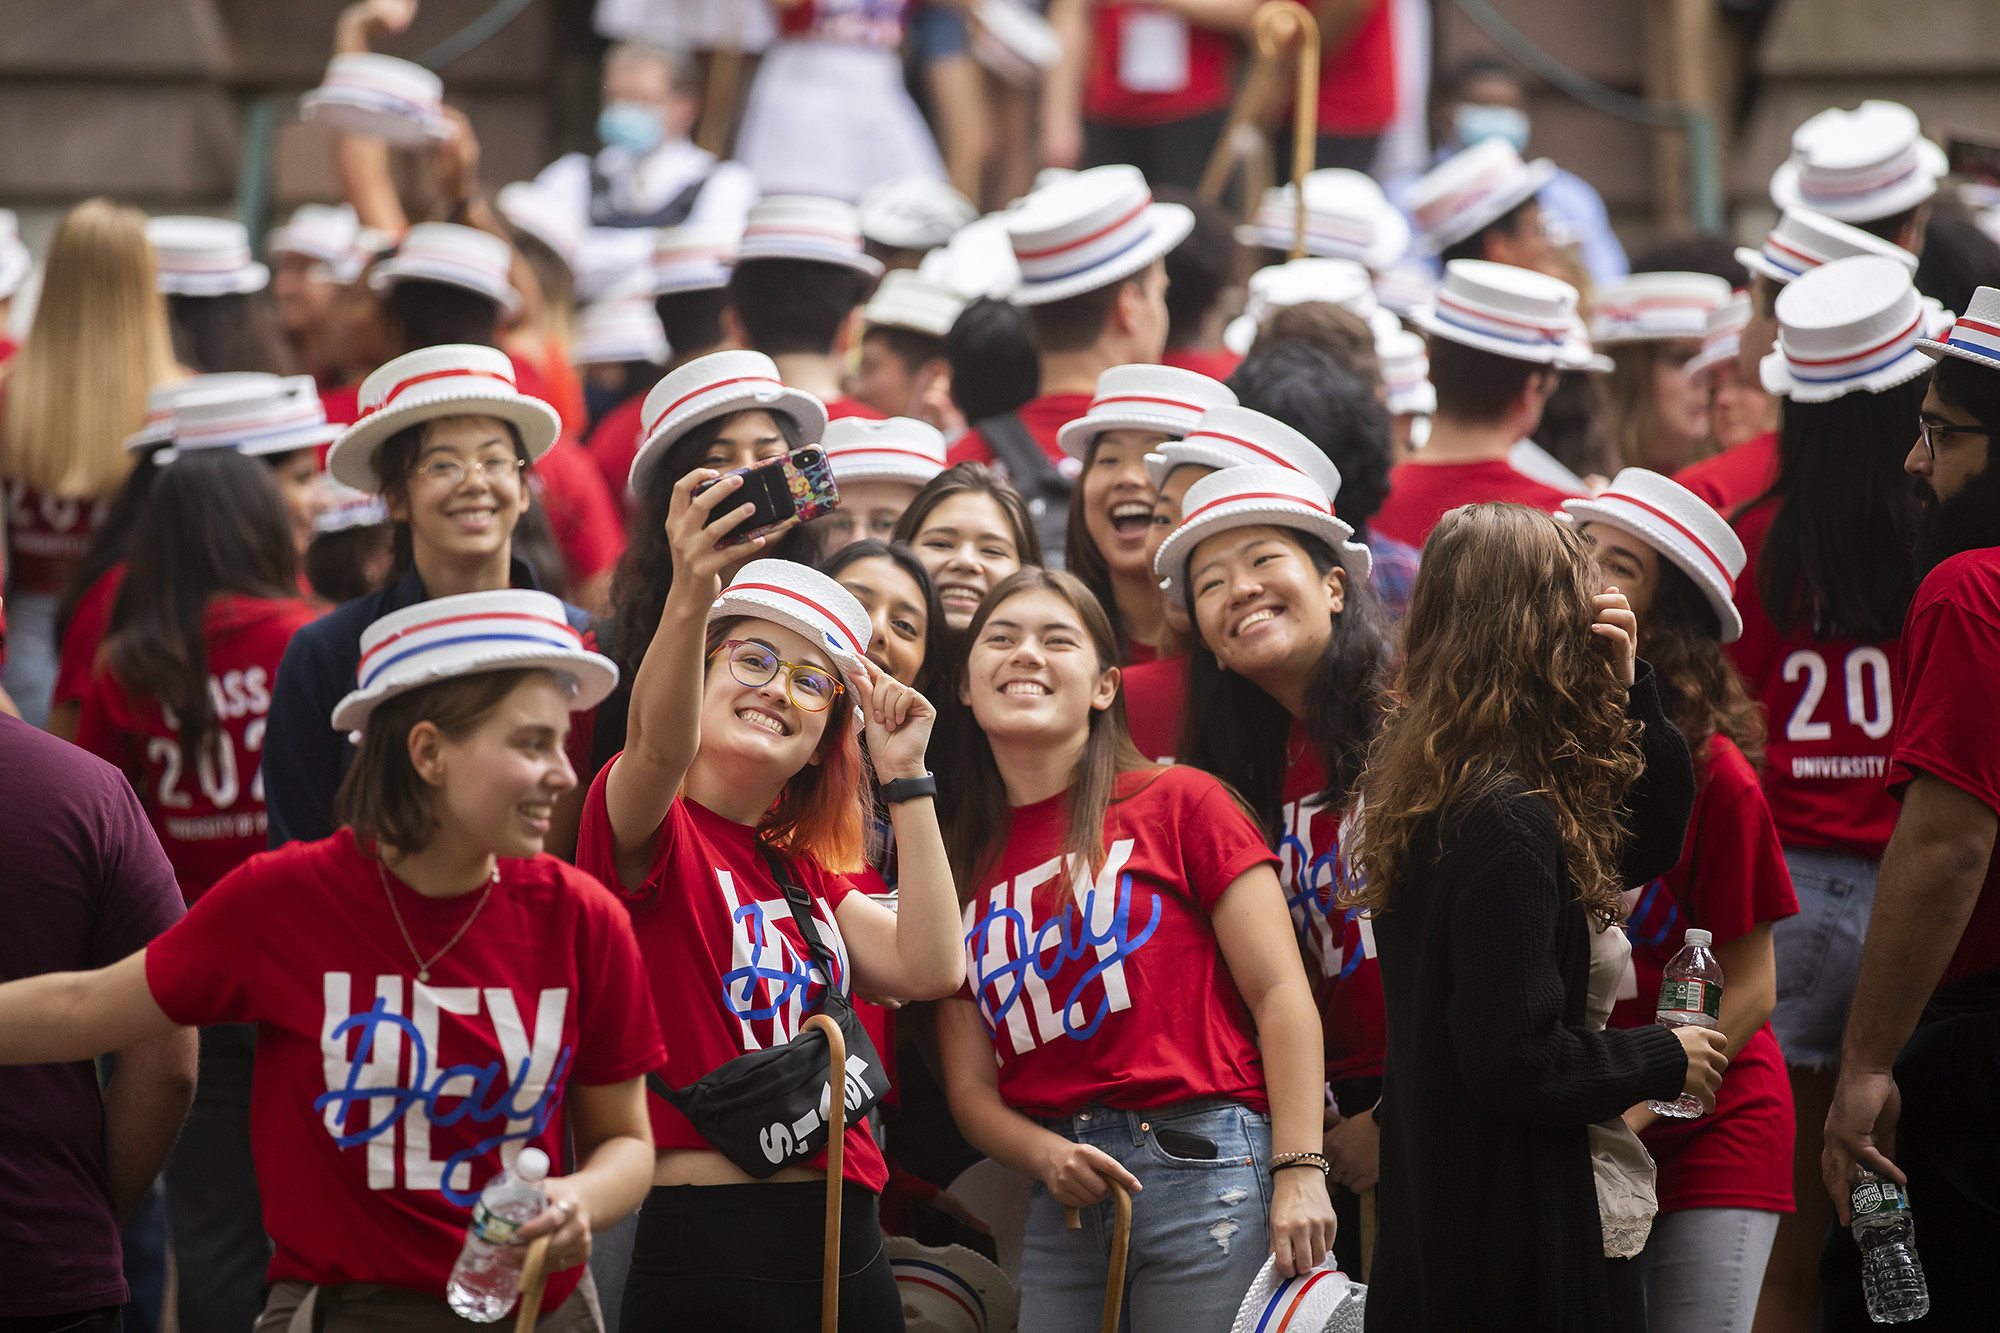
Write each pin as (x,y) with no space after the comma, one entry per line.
(532,1165)
(1701,937)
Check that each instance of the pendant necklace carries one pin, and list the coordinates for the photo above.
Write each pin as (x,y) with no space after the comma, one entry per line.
(424,965)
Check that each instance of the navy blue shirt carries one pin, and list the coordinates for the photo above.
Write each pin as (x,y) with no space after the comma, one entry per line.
(304,757)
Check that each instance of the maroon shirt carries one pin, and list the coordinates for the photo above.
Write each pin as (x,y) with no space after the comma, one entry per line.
(86,885)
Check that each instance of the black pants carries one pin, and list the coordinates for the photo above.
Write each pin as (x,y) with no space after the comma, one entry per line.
(1174,153)
(1625,1287)
(1354,1096)
(110,1319)
(728,1258)
(216,1218)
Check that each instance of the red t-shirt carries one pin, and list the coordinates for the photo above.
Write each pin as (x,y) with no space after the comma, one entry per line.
(1422,493)
(343,405)
(1171,70)
(729,969)
(584,515)
(1734,477)
(381,1106)
(615,442)
(1042,416)
(1357,79)
(1339,943)
(844,406)
(1731,878)
(89,622)
(876,23)
(47,536)
(1123,997)
(1832,708)
(1949,721)
(207,809)
(1218,363)
(1153,694)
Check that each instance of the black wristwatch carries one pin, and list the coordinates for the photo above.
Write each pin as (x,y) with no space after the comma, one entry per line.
(908,789)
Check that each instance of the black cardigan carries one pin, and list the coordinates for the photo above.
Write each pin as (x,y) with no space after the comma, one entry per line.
(1487,1207)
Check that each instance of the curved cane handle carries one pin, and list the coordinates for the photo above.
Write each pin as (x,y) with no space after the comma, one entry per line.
(1277,25)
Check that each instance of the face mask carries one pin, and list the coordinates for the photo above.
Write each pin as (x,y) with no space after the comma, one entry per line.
(633,126)
(1473,123)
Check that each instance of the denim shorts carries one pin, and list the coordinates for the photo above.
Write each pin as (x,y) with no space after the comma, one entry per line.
(940,32)
(1200,1227)
(1819,953)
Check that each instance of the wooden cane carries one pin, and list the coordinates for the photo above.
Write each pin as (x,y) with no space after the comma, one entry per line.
(1121,1246)
(1367,1232)
(1276,26)
(836,1144)
(534,1282)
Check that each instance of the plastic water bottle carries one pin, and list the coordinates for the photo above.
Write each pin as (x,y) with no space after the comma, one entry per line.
(482,1288)
(1885,1229)
(1690,996)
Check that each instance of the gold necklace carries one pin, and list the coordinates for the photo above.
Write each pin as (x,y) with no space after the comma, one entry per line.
(423,966)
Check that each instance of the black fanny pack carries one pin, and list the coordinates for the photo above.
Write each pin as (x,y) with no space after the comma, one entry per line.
(766,1110)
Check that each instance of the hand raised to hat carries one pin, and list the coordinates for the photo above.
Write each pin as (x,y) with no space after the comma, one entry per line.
(700,564)
(355,29)
(898,722)
(1617,633)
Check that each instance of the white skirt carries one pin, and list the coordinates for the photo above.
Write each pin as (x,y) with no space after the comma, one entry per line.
(833,121)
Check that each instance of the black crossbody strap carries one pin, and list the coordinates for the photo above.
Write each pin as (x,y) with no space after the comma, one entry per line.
(801,905)
(1011,441)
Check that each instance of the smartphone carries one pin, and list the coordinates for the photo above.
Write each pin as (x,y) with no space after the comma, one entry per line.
(798,485)
(1189,1147)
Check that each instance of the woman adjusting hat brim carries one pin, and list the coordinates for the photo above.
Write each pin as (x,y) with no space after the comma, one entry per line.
(804,601)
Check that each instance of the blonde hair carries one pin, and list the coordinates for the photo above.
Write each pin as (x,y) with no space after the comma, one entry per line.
(98,343)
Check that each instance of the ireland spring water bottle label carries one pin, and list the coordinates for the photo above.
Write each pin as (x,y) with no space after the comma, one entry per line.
(1691,995)
(490,1227)
(1874,1197)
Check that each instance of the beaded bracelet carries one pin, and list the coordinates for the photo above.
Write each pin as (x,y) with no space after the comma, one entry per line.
(1286,1160)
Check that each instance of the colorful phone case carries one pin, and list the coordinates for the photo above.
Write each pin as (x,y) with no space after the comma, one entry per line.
(807,477)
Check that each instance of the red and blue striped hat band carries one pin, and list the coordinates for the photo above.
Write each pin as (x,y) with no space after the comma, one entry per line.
(1975,335)
(1513,312)
(456,256)
(1088,230)
(1849,326)
(803,226)
(1323,1300)
(804,601)
(1803,240)
(379,96)
(1861,165)
(259,418)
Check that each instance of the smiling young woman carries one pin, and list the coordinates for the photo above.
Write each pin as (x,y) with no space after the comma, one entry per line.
(971,530)
(429,939)
(741,755)
(1173,1048)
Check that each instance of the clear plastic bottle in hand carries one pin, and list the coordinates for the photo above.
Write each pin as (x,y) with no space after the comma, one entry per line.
(482,1288)
(1886,1231)
(1690,996)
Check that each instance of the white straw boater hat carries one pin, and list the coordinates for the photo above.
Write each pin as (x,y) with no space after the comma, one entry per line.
(1509,311)
(1323,1300)
(1848,326)
(326,234)
(1860,165)
(1089,230)
(1471,189)
(1681,526)
(1234,436)
(1247,497)
(694,257)
(450,380)
(714,386)
(1012,39)
(806,226)
(1405,288)
(204,257)
(379,97)
(158,427)
(1722,338)
(898,449)
(271,417)
(348,508)
(1340,282)
(1347,217)
(977,261)
(907,300)
(539,213)
(456,256)
(618,329)
(1803,240)
(914,213)
(16,262)
(1974,336)
(1406,373)
(951,1289)
(463,635)
(806,602)
(1648,306)
(1150,398)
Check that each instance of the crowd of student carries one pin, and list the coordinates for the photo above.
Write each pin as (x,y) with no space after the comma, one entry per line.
(1264,768)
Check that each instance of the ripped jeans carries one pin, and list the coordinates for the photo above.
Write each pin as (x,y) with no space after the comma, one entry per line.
(1200,1228)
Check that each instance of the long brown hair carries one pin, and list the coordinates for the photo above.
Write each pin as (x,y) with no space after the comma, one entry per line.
(977,818)
(98,343)
(1502,685)
(1701,692)
(1629,408)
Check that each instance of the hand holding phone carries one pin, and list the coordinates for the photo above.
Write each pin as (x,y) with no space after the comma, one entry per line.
(798,485)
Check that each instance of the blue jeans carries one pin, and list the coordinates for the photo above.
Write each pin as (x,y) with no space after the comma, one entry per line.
(1819,953)
(1200,1229)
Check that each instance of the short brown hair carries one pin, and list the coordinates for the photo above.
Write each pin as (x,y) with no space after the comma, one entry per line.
(1335,330)
(382,798)
(1075,322)
(1474,385)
